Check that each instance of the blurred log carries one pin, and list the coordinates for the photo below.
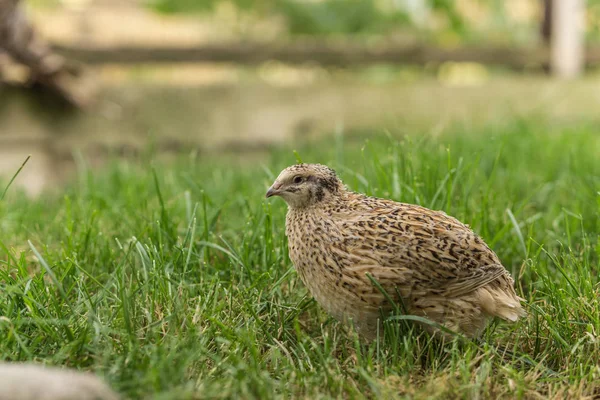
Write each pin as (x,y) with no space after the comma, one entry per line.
(323,54)
(332,54)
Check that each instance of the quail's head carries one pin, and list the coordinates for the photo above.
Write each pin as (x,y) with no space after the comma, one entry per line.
(306,185)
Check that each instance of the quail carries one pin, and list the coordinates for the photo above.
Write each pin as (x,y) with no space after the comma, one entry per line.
(436,267)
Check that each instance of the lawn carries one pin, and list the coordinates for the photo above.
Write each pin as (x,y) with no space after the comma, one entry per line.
(172,279)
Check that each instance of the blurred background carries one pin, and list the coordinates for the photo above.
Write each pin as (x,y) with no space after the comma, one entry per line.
(125,77)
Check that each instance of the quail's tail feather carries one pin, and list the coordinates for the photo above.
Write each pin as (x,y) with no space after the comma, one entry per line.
(502,302)
(470,314)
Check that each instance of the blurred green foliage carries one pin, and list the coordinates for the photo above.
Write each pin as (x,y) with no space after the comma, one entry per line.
(321,17)
(446,21)
(593,19)
(339,16)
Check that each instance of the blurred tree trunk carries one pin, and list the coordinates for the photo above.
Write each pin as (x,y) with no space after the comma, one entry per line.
(546,30)
(567,38)
(19,39)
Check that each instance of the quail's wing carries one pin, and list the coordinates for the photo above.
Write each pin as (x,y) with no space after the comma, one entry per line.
(441,253)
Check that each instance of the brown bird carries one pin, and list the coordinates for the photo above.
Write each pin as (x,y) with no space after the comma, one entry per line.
(432,264)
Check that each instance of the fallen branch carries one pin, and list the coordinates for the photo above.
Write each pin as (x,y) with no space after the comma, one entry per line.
(21,42)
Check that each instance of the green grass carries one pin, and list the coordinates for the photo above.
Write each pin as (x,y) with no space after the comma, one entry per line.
(172,280)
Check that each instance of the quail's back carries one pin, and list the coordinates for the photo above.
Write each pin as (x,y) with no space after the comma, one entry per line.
(432,264)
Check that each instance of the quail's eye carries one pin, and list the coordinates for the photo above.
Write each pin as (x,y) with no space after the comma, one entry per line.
(298,179)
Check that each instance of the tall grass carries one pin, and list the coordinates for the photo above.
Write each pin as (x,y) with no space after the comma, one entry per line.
(172,280)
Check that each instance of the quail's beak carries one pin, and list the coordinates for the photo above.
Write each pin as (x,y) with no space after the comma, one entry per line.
(274,190)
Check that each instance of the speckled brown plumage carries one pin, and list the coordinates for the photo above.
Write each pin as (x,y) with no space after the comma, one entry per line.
(434,264)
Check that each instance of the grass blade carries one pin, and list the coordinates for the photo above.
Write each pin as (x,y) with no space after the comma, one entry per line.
(14,177)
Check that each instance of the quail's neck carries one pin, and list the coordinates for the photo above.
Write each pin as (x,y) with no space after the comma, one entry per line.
(335,201)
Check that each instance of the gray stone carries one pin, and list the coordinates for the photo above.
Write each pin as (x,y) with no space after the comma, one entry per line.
(20,381)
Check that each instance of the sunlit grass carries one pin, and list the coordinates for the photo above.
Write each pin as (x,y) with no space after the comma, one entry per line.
(173,280)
